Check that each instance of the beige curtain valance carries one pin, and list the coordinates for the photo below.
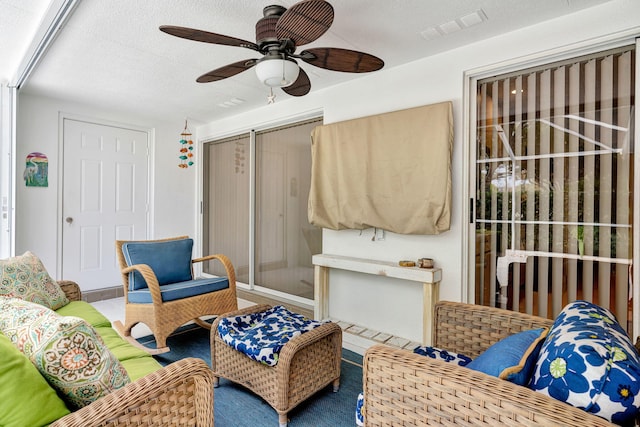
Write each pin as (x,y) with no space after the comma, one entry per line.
(390,171)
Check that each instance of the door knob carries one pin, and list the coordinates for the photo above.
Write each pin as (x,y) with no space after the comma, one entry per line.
(69,220)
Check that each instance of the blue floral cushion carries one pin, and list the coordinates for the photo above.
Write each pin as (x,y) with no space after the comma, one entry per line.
(359,408)
(512,358)
(262,335)
(444,355)
(588,361)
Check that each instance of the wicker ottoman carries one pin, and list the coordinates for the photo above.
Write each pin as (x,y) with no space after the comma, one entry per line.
(306,364)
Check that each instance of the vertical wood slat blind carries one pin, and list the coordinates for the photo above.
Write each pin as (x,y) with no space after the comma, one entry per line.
(554,182)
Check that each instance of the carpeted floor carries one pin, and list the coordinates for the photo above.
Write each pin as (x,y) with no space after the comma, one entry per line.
(235,406)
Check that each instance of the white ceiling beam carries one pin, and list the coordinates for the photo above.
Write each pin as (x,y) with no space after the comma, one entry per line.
(54,19)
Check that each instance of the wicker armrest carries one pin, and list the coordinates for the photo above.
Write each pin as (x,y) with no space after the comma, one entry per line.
(71,290)
(150,279)
(403,388)
(178,394)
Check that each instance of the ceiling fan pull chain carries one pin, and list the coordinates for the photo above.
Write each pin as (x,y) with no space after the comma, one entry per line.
(271,98)
(284,80)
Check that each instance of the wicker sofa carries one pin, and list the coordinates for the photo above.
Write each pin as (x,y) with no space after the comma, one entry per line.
(406,389)
(180,394)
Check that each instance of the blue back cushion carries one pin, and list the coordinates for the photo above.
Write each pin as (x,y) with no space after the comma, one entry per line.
(170,261)
(513,358)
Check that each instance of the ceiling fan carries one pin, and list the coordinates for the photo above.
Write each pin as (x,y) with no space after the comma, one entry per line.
(278,33)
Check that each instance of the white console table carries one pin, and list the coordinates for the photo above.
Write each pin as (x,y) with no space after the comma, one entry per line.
(429,277)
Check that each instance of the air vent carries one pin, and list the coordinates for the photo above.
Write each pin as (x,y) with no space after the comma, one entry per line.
(231,103)
(455,25)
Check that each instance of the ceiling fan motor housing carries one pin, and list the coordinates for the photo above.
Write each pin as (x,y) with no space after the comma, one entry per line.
(266,26)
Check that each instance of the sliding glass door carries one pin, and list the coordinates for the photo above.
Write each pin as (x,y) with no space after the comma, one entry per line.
(554,199)
(255,208)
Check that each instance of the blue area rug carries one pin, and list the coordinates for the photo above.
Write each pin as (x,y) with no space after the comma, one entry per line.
(236,406)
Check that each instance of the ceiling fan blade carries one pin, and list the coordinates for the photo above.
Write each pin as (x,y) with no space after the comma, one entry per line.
(305,21)
(301,86)
(207,37)
(349,61)
(227,71)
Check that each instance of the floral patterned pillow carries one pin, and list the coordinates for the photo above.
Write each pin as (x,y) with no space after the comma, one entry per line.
(26,278)
(588,361)
(444,355)
(67,351)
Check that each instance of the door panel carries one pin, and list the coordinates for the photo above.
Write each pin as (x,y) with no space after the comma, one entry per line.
(105,197)
(271,210)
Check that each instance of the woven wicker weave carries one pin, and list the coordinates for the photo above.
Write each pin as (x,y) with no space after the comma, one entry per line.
(180,394)
(405,389)
(306,364)
(165,317)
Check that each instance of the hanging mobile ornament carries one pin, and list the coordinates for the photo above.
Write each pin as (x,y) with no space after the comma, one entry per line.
(186,148)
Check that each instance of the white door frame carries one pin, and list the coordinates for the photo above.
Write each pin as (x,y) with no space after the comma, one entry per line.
(471,77)
(150,170)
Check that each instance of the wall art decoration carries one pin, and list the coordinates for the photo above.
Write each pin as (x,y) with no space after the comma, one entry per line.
(36,171)
(186,148)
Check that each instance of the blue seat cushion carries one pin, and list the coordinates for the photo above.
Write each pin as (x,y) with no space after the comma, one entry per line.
(262,335)
(181,290)
(170,260)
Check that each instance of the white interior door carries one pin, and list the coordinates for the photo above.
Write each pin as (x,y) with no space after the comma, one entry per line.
(104,197)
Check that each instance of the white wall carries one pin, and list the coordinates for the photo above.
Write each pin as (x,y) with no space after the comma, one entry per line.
(36,217)
(390,305)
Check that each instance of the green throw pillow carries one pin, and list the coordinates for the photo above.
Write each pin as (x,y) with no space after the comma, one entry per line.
(66,350)
(20,385)
(26,278)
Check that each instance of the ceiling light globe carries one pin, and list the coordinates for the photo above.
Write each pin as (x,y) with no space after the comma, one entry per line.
(277,72)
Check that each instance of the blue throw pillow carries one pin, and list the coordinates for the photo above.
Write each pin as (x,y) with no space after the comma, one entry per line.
(170,260)
(512,358)
(589,361)
(444,355)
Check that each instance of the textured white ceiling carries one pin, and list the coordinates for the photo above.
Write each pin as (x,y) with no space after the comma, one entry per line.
(111,53)
(19,21)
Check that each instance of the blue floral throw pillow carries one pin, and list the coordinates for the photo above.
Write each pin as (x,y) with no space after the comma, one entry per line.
(444,355)
(588,361)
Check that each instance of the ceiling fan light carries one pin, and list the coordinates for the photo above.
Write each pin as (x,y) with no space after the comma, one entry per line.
(277,72)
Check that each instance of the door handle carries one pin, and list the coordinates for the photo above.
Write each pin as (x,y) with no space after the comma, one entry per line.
(68,220)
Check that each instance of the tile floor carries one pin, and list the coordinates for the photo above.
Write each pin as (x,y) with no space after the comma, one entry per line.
(113,309)
(357,338)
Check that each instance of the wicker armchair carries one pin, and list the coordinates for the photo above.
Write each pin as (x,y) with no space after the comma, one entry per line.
(164,317)
(180,394)
(405,389)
